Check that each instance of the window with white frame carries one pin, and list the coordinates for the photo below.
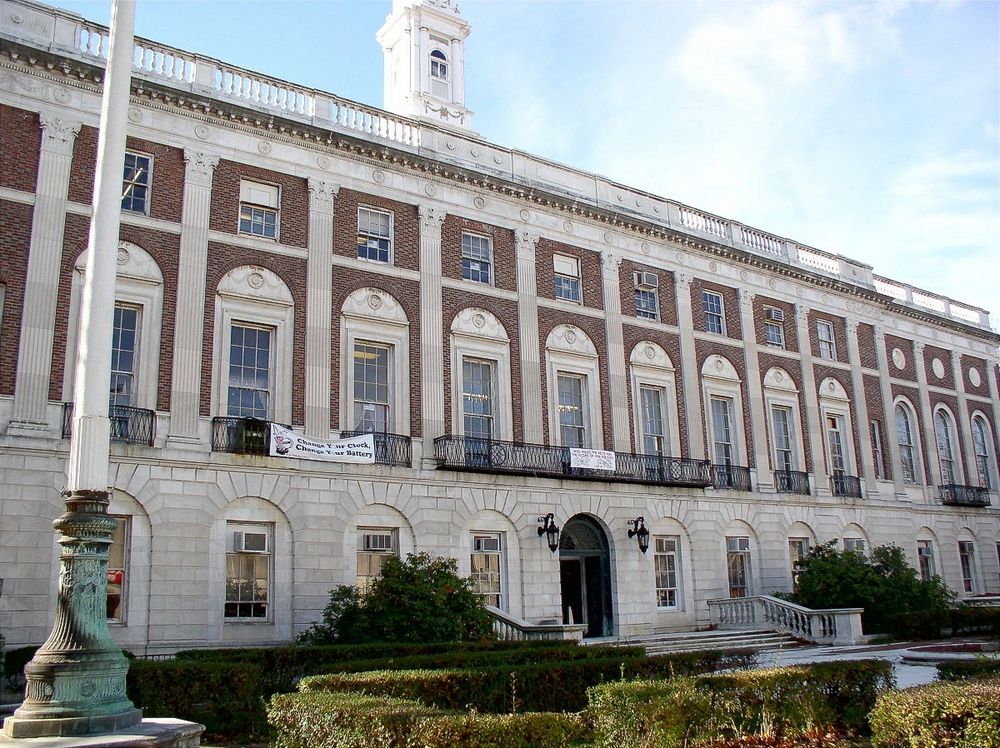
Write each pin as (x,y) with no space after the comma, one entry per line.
(486,568)
(477,399)
(376,545)
(248,571)
(925,560)
(907,446)
(654,429)
(827,344)
(945,435)
(374,235)
(835,445)
(666,568)
(124,353)
(439,78)
(259,209)
(572,410)
(981,442)
(477,258)
(250,364)
(372,393)
(967,561)
(798,549)
(723,438)
(118,563)
(136,182)
(715,320)
(567,278)
(856,545)
(781,421)
(654,398)
(647,303)
(774,327)
(876,439)
(738,566)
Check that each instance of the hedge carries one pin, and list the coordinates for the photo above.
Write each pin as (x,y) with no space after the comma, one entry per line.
(970,619)
(354,720)
(782,703)
(965,669)
(960,715)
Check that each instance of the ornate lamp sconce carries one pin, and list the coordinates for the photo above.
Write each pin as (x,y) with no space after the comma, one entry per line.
(639,532)
(548,528)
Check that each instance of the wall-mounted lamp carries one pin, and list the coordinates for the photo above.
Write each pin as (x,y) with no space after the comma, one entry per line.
(639,532)
(548,528)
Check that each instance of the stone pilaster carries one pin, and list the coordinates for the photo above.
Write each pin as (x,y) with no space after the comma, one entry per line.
(964,422)
(889,408)
(319,292)
(617,376)
(991,378)
(758,415)
(527,329)
(861,408)
(927,417)
(814,422)
(185,387)
(431,334)
(41,292)
(690,374)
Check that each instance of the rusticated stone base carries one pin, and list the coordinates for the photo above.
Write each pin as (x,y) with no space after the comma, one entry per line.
(150,733)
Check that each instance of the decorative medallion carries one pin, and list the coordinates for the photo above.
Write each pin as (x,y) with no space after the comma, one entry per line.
(645,248)
(378,176)
(714,267)
(430,189)
(719,366)
(772,284)
(832,387)
(609,238)
(638,203)
(680,258)
(264,147)
(474,152)
(323,162)
(88,688)
(656,208)
(497,160)
(202,131)
(134,114)
(479,320)
(650,352)
(123,255)
(451,145)
(62,96)
(525,215)
(570,337)
(898,358)
(779,377)
(255,280)
(974,379)
(479,201)
(937,366)
(374,301)
(826,299)
(568,227)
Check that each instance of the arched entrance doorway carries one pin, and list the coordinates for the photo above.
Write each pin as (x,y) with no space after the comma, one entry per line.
(585,575)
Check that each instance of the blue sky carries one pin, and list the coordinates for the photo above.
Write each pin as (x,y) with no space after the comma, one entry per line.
(871,129)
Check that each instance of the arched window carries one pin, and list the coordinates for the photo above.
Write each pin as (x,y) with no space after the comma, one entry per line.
(945,445)
(439,65)
(655,397)
(981,443)
(907,444)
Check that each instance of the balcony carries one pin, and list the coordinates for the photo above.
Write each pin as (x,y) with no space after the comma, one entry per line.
(953,494)
(241,436)
(791,481)
(845,485)
(735,477)
(128,425)
(517,458)
(390,449)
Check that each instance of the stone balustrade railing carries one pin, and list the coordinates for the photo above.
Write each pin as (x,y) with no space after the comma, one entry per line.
(832,626)
(509,628)
(70,34)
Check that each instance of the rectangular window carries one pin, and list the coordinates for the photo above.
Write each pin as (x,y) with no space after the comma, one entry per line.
(835,443)
(715,320)
(136,183)
(647,306)
(124,347)
(477,258)
(967,559)
(774,334)
(798,549)
(567,278)
(376,545)
(259,209)
(248,571)
(781,418)
(371,387)
(722,430)
(118,555)
(877,460)
(486,568)
(738,563)
(477,398)
(666,565)
(854,544)
(827,345)
(925,559)
(374,235)
(572,421)
(249,372)
(654,431)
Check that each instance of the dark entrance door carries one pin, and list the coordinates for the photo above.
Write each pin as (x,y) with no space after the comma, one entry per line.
(585,576)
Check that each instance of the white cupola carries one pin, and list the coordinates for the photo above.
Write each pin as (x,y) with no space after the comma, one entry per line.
(424,46)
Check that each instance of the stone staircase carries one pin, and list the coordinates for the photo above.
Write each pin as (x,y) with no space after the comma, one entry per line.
(753,640)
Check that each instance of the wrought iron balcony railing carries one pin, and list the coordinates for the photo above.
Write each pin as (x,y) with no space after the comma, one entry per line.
(736,477)
(496,456)
(128,425)
(953,494)
(390,449)
(242,436)
(791,481)
(845,485)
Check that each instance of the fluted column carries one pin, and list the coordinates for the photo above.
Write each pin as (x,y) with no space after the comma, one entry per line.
(431,333)
(41,291)
(817,453)
(319,292)
(964,422)
(527,329)
(189,325)
(861,407)
(927,417)
(689,369)
(758,415)
(991,380)
(889,409)
(617,377)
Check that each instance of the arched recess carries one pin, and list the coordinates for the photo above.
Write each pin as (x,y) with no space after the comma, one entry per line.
(375,532)
(129,570)
(574,388)
(838,428)
(741,552)
(855,538)
(253,301)
(949,451)
(970,576)
(585,575)
(781,400)
(489,552)
(139,293)
(801,539)
(375,347)
(723,398)
(235,613)
(927,553)
(656,424)
(908,439)
(984,451)
(481,388)
(672,571)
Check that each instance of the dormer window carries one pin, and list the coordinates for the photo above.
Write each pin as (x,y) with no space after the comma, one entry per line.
(439,74)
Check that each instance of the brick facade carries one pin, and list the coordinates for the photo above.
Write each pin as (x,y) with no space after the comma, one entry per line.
(14,242)
(293,196)
(20,145)
(504,269)
(405,226)
(730,307)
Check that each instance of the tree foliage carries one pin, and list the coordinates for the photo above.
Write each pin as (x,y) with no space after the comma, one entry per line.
(896,601)
(417,599)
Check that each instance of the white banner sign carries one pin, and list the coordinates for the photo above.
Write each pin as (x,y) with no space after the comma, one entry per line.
(595,459)
(286,443)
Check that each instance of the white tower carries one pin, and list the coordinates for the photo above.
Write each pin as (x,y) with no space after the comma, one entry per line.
(424,46)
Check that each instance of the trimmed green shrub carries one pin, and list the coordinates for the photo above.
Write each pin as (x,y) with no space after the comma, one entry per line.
(971,619)
(965,715)
(965,669)
(13,665)
(782,703)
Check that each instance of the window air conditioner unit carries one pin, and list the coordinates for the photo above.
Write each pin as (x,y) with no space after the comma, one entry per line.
(485,544)
(250,542)
(378,542)
(646,280)
(775,315)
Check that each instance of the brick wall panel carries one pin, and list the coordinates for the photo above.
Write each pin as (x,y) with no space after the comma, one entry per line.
(958,448)
(970,362)
(504,254)
(866,344)
(909,370)
(591,278)
(704,349)
(665,293)
(632,336)
(15,240)
(794,370)
(876,412)
(293,194)
(913,396)
(844,377)
(20,147)
(730,307)
(948,380)
(759,319)
(839,334)
(405,224)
